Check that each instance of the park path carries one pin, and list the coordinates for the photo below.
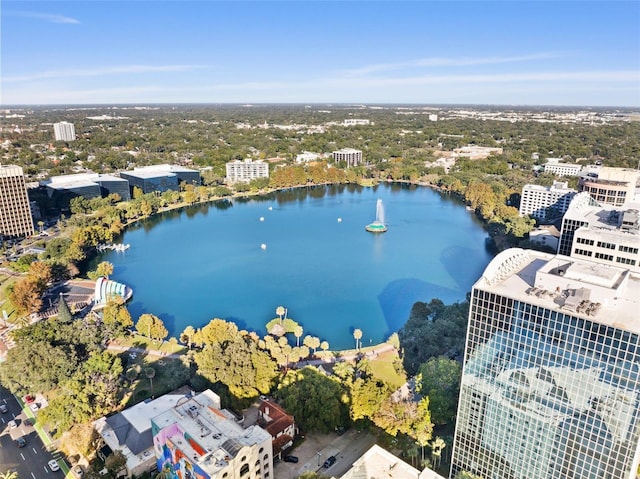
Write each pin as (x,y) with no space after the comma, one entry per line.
(150,352)
(370,353)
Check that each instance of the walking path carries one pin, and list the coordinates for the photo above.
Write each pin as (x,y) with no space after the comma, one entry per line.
(370,353)
(150,352)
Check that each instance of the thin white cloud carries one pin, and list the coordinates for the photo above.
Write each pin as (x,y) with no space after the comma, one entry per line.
(446,62)
(93,72)
(47,17)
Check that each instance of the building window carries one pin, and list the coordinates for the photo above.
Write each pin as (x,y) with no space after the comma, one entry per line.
(244,469)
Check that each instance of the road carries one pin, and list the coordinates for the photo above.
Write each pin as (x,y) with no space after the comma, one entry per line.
(30,462)
(318,447)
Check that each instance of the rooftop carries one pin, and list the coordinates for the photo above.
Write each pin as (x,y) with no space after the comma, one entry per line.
(602,293)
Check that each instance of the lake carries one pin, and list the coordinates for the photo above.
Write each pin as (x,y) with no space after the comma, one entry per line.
(208,261)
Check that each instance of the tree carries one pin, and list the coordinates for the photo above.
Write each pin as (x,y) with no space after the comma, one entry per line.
(366,397)
(297,332)
(218,331)
(188,336)
(281,311)
(437,446)
(26,296)
(115,463)
(312,342)
(150,373)
(41,273)
(104,269)
(238,364)
(64,314)
(439,379)
(116,317)
(152,327)
(357,335)
(316,401)
(9,474)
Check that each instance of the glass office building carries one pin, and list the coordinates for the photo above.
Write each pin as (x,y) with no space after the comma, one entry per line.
(551,380)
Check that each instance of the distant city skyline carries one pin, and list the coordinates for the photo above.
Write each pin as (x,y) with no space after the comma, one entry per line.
(565,53)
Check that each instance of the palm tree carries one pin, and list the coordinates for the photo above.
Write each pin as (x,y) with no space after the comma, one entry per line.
(9,474)
(150,373)
(357,335)
(437,446)
(297,332)
(281,311)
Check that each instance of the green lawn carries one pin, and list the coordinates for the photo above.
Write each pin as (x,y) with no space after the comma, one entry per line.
(382,368)
(141,342)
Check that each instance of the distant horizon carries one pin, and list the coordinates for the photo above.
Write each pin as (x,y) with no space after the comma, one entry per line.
(567,53)
(303,104)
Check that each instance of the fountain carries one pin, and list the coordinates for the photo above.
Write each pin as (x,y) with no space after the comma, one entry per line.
(378,225)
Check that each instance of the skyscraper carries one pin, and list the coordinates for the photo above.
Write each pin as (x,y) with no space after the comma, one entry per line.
(551,380)
(15,215)
(64,131)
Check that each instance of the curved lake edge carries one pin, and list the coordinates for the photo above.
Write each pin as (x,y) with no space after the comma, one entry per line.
(199,207)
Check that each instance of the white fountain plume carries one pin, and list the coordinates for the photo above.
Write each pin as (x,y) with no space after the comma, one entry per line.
(379,211)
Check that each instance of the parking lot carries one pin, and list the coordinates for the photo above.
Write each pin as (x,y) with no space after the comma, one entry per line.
(316,448)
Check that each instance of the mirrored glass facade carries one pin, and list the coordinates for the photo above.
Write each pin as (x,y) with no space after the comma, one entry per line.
(548,391)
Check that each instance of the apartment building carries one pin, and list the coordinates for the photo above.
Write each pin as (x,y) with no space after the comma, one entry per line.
(246,170)
(15,214)
(550,384)
(546,203)
(350,156)
(196,440)
(64,131)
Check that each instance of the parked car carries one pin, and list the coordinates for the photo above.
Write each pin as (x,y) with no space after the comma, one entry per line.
(12,424)
(53,465)
(21,442)
(331,460)
(34,407)
(77,471)
(3,408)
(290,459)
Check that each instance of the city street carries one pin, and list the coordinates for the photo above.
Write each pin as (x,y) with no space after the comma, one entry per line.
(30,461)
(318,447)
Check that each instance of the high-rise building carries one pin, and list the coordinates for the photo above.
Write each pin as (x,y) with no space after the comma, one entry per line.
(546,203)
(64,131)
(15,214)
(551,379)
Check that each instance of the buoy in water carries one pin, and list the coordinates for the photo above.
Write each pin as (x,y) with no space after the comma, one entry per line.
(263,246)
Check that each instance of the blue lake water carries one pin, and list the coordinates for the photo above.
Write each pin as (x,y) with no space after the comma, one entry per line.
(206,262)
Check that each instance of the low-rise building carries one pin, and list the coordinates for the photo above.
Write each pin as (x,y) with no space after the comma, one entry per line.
(130,433)
(243,171)
(160,177)
(280,425)
(196,440)
(378,463)
(88,185)
(558,168)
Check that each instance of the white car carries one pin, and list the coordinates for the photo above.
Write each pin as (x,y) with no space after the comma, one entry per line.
(12,424)
(34,407)
(53,465)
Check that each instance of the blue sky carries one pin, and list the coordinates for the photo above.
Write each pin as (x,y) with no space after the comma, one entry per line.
(468,52)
